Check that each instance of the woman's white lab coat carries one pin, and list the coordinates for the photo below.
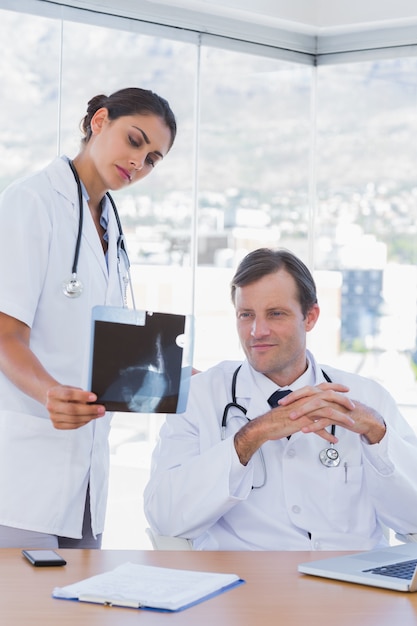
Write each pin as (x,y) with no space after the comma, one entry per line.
(44,472)
(199,489)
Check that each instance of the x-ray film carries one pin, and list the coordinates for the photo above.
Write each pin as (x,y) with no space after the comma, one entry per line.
(140,361)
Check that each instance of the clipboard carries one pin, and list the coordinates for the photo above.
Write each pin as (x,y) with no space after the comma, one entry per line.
(136,586)
(140,361)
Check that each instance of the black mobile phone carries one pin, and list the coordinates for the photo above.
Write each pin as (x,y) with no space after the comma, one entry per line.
(43,558)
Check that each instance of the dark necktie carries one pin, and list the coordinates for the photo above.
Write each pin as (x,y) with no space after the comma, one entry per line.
(277,395)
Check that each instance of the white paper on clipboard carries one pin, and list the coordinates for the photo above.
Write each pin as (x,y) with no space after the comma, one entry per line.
(140,361)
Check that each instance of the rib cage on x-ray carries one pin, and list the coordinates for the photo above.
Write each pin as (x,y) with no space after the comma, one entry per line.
(141,386)
(137,367)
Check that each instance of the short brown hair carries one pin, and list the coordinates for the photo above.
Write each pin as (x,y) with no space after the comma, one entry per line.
(264,261)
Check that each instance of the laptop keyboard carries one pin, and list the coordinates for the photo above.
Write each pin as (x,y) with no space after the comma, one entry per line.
(405,569)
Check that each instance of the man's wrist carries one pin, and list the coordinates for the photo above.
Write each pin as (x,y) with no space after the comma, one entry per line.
(376,434)
(246,442)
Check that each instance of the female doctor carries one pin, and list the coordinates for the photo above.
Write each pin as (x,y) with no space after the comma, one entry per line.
(62,253)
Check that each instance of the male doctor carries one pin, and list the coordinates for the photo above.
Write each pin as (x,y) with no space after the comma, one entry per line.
(326,469)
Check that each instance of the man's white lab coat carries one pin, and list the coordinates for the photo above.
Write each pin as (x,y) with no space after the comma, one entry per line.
(199,489)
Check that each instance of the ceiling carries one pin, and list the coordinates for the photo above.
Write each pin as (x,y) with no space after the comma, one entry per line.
(313,27)
(310,16)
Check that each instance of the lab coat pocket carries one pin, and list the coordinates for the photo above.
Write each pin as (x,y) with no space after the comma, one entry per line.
(344,488)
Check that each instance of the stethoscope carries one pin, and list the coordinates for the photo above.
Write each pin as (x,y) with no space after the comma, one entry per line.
(73,287)
(234,405)
(329,457)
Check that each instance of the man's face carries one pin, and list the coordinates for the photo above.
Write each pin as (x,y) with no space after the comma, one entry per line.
(272,328)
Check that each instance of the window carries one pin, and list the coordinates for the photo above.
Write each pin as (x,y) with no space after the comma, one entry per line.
(269,152)
(253,179)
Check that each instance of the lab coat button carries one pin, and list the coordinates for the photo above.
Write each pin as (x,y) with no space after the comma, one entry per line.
(296,509)
(291,453)
(317,545)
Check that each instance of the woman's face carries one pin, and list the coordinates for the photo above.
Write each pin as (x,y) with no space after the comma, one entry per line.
(127,149)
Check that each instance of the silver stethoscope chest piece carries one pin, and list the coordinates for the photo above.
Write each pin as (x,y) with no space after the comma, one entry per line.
(73,287)
(330,457)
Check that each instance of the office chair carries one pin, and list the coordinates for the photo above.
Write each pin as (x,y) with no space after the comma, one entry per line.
(163,542)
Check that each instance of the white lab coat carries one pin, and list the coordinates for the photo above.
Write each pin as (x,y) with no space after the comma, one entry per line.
(199,489)
(44,472)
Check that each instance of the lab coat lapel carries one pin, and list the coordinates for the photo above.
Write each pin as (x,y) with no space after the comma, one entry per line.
(113,287)
(110,267)
(64,183)
(91,238)
(249,393)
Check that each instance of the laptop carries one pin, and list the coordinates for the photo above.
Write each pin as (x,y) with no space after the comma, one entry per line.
(393,567)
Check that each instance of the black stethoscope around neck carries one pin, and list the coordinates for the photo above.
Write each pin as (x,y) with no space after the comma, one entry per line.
(73,287)
(329,457)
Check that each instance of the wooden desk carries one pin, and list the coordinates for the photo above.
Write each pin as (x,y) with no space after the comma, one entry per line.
(275,594)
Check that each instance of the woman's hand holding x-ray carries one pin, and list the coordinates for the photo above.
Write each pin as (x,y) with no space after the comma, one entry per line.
(70,407)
